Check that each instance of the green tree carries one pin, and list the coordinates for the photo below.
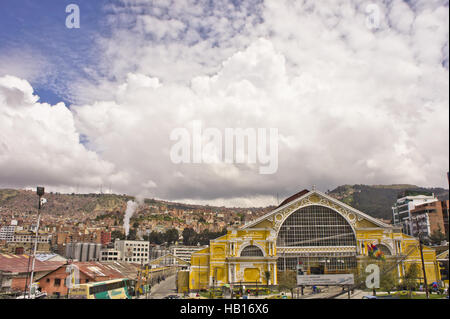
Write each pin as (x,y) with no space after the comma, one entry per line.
(287,280)
(389,277)
(189,236)
(410,278)
(155,238)
(202,220)
(171,236)
(437,237)
(117,234)
(132,234)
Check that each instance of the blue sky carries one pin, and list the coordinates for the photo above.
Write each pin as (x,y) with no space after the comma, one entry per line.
(39,26)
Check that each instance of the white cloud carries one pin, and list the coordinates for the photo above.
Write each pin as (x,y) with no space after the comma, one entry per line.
(39,143)
(352,105)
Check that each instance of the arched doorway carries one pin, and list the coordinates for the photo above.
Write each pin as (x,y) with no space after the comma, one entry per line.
(314,237)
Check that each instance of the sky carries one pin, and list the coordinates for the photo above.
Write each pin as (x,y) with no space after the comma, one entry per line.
(357,92)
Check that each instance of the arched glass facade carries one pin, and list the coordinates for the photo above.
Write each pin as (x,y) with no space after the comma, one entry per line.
(317,226)
(251,251)
(385,250)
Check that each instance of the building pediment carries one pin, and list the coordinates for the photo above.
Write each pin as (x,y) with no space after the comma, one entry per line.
(275,218)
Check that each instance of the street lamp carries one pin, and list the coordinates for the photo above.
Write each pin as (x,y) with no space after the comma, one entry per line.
(40,193)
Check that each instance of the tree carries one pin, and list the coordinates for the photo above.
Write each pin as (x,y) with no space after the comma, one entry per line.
(410,278)
(117,234)
(171,236)
(437,237)
(132,234)
(202,220)
(155,238)
(389,279)
(287,280)
(189,236)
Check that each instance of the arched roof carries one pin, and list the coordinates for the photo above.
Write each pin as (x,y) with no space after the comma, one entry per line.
(294,202)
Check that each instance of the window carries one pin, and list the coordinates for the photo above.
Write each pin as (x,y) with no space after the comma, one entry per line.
(315,226)
(384,249)
(105,287)
(251,251)
(57,282)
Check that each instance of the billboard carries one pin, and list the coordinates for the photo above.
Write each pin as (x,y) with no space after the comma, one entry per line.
(324,280)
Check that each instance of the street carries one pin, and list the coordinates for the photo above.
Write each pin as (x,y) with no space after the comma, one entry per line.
(164,288)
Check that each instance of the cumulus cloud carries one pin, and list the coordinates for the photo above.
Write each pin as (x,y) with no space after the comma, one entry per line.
(39,143)
(351,104)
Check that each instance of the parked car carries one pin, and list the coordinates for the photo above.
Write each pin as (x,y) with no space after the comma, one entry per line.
(172,297)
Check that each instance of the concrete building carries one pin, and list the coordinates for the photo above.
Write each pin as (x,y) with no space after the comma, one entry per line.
(29,237)
(402,208)
(184,252)
(7,233)
(110,254)
(431,217)
(83,251)
(133,251)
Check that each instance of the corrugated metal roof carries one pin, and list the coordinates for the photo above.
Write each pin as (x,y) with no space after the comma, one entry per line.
(19,263)
(294,197)
(112,270)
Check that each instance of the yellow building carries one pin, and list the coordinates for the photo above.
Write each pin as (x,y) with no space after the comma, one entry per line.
(312,229)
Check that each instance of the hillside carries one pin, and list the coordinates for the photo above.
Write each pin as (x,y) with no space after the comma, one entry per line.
(93,205)
(377,200)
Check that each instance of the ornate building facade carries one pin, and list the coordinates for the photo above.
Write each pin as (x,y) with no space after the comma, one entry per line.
(311,229)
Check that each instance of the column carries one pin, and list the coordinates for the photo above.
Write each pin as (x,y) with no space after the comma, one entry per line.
(275,274)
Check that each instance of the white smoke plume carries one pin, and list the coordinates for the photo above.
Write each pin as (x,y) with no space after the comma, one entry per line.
(131,208)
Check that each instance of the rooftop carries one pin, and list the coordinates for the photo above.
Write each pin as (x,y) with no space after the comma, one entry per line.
(19,263)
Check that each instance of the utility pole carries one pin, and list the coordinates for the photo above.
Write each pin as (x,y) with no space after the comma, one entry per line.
(40,192)
(421,256)
(448,240)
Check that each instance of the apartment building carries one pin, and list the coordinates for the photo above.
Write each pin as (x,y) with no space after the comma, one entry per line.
(407,202)
(133,251)
(431,217)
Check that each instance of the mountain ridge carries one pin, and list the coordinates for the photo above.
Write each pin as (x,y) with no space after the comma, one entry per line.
(374,200)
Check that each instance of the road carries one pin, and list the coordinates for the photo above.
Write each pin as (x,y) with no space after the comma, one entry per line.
(164,288)
(167,287)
